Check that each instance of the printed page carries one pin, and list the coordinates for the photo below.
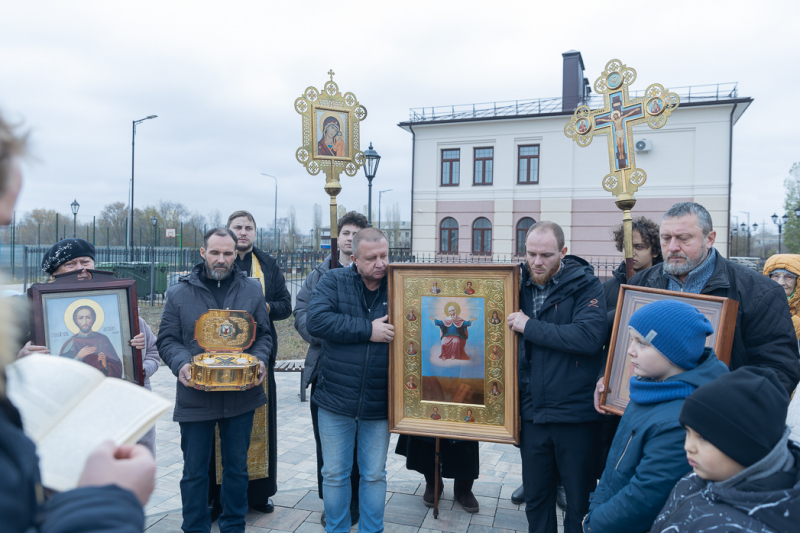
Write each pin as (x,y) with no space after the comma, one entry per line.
(115,410)
(45,388)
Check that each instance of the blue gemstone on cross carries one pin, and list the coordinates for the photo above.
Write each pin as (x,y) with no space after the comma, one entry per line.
(617,119)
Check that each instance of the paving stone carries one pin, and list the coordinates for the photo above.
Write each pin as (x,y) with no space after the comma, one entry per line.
(403,487)
(310,527)
(510,519)
(452,521)
(512,457)
(289,498)
(282,518)
(398,528)
(487,505)
(405,509)
(311,502)
(486,489)
(511,468)
(507,490)
(490,457)
(481,520)
(486,529)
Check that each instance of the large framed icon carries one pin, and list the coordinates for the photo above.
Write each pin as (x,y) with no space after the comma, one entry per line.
(453,361)
(91,321)
(721,312)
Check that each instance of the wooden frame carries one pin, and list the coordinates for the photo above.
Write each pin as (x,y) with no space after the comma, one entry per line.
(482,161)
(720,311)
(450,173)
(114,311)
(528,158)
(444,385)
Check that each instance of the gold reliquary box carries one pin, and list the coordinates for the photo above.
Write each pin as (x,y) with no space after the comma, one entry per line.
(224,335)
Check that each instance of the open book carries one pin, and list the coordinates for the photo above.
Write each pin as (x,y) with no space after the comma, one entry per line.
(69,408)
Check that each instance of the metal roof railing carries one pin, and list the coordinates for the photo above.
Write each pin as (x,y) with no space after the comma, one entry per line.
(693,93)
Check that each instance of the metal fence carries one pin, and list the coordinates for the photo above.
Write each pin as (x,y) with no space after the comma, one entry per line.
(170,263)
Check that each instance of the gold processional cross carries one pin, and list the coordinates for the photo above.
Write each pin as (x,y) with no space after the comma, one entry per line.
(331,140)
(616,120)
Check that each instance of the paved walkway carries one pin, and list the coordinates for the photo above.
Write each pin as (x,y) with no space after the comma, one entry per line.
(297,506)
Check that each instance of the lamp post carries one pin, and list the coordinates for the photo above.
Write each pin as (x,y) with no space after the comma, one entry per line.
(154,222)
(276,208)
(379,206)
(75,206)
(370,168)
(783,220)
(133,158)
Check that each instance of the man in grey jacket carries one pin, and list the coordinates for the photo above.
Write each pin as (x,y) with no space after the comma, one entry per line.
(348,225)
(216,283)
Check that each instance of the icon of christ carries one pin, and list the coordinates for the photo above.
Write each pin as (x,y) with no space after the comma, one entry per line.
(453,334)
(91,347)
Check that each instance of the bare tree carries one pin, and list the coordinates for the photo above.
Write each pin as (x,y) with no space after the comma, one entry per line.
(291,226)
(215,220)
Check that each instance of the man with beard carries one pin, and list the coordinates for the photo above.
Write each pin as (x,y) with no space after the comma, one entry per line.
(764,334)
(216,283)
(348,226)
(91,347)
(257,264)
(562,326)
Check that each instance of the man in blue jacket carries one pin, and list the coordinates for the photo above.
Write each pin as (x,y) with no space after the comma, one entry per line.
(216,283)
(562,326)
(348,311)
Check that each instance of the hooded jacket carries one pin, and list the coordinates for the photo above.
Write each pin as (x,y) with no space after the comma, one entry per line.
(764,498)
(764,334)
(354,377)
(646,459)
(314,353)
(186,301)
(560,350)
(790,262)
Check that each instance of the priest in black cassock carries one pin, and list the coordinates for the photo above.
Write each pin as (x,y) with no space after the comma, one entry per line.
(263,453)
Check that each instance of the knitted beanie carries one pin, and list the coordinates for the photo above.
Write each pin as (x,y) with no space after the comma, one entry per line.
(676,329)
(66,250)
(742,413)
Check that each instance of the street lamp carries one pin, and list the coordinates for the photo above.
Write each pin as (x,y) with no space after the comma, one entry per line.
(370,168)
(784,219)
(133,158)
(379,206)
(154,222)
(75,206)
(276,208)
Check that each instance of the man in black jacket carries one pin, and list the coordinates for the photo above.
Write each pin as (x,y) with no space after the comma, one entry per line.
(258,265)
(348,311)
(216,283)
(764,334)
(348,225)
(562,326)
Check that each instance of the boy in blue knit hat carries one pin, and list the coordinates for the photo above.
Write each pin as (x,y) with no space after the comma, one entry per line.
(647,458)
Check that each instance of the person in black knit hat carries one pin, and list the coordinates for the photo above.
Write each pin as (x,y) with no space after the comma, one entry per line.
(746,469)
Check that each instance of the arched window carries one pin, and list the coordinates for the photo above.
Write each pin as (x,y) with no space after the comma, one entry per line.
(481,236)
(522,231)
(449,236)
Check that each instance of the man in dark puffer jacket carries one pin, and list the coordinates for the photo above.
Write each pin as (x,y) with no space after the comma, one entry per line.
(348,311)
(562,326)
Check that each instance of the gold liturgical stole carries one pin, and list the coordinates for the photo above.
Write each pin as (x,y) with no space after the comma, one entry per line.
(258,453)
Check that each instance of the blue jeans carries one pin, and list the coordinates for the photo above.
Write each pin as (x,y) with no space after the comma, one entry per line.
(196,442)
(339,435)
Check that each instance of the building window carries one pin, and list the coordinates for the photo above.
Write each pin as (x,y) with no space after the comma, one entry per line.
(522,231)
(449,236)
(482,236)
(528,164)
(484,163)
(451,166)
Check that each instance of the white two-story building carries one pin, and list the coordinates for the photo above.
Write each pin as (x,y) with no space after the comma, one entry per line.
(483,173)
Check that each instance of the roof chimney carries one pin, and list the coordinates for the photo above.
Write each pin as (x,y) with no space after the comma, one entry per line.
(572,89)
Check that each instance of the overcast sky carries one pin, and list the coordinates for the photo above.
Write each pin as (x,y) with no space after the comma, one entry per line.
(223,76)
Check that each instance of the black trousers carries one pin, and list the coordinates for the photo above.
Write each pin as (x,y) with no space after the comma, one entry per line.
(572,450)
(460,459)
(354,474)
